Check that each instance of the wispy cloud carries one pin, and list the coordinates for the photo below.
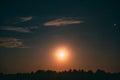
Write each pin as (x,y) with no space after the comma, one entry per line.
(13,28)
(11,43)
(62,21)
(24,19)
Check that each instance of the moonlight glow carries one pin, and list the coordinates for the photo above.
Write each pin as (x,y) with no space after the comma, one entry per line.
(61,54)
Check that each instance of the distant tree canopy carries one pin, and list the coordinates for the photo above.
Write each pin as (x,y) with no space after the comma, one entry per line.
(64,75)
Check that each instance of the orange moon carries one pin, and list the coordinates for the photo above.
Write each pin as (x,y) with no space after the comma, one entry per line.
(61,54)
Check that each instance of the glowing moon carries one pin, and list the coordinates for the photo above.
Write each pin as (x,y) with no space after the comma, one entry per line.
(62,54)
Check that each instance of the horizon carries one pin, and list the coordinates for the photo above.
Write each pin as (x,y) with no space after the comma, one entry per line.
(69,70)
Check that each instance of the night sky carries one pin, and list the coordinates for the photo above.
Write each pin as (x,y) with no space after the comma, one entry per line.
(31,31)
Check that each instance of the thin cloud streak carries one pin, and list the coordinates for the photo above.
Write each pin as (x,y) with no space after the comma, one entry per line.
(11,43)
(62,22)
(18,29)
(24,19)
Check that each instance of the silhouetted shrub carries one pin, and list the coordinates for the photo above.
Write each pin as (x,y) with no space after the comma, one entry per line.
(64,75)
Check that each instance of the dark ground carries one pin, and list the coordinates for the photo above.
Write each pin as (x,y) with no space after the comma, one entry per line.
(65,75)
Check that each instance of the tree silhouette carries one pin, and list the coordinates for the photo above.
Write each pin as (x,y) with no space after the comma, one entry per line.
(64,75)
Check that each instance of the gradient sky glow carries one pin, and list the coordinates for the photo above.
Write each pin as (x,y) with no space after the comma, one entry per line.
(31,32)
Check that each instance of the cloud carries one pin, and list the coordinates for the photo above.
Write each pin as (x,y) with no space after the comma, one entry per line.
(11,43)
(24,19)
(18,29)
(62,21)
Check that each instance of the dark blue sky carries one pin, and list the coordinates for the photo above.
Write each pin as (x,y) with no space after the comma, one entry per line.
(30,29)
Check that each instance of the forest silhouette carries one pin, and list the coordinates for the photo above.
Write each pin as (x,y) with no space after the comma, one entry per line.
(63,75)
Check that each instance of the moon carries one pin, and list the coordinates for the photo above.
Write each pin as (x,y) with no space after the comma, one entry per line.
(62,54)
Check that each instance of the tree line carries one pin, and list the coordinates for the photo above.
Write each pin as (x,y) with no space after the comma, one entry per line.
(63,75)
